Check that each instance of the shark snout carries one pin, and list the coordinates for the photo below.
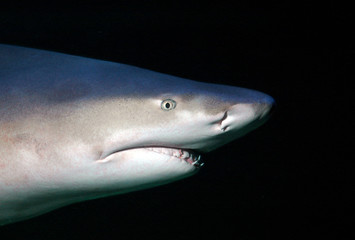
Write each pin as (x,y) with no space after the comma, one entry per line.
(264,110)
(246,116)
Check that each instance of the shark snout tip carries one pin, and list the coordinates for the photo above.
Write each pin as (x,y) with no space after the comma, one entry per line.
(268,107)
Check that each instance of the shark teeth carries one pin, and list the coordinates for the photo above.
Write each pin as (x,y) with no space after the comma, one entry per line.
(189,157)
(198,162)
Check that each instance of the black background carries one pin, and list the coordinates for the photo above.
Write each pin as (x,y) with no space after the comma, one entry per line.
(291,178)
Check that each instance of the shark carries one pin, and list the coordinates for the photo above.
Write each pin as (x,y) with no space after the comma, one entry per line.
(74,128)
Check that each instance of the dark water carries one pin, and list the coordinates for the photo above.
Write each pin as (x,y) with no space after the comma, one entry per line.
(290,178)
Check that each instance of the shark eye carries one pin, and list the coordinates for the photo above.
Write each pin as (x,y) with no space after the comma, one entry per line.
(168,104)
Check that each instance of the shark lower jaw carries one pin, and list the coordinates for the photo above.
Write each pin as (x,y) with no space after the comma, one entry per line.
(183,155)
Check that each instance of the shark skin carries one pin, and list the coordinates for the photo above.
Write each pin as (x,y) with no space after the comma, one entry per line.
(74,128)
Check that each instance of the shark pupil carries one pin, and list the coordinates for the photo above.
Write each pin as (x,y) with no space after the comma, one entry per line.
(167,105)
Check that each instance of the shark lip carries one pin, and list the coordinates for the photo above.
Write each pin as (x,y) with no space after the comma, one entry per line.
(187,155)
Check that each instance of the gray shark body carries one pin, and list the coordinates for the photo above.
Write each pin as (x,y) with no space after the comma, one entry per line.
(73,128)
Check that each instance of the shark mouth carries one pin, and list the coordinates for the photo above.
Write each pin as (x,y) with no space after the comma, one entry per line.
(185,155)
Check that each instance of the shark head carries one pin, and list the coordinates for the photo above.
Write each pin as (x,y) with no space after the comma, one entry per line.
(73,128)
(158,127)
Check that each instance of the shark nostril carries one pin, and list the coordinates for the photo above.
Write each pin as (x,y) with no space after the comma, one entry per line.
(223,126)
(223,118)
